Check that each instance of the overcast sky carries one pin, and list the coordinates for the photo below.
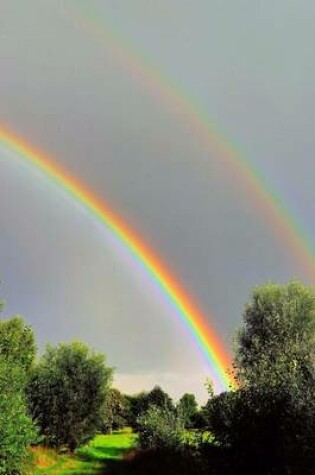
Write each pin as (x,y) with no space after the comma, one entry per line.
(250,65)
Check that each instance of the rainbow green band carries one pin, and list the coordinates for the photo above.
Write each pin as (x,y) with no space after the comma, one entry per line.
(289,232)
(207,341)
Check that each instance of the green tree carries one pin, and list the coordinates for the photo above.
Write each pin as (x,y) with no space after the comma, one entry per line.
(17,342)
(67,393)
(17,432)
(136,405)
(268,425)
(159,398)
(187,409)
(114,411)
(276,347)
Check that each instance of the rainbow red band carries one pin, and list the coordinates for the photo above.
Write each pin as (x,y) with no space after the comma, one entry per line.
(158,83)
(187,310)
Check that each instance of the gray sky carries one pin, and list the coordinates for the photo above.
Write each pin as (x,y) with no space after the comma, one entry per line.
(250,65)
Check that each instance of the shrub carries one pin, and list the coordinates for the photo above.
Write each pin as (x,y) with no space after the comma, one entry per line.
(160,428)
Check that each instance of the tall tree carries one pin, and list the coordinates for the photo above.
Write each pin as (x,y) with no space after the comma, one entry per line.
(114,411)
(268,425)
(17,342)
(187,409)
(17,432)
(136,405)
(67,393)
(158,397)
(276,347)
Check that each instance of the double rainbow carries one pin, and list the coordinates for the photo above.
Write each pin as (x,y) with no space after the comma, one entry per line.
(283,224)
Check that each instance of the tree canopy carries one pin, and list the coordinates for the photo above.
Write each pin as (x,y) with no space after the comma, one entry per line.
(268,424)
(67,393)
(276,347)
(17,342)
(17,432)
(187,409)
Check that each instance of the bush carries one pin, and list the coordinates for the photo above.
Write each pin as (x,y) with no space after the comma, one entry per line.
(160,428)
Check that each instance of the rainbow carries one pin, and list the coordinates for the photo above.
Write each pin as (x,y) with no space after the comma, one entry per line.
(213,350)
(284,225)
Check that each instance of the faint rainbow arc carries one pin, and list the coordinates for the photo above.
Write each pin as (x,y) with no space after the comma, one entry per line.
(289,232)
(206,339)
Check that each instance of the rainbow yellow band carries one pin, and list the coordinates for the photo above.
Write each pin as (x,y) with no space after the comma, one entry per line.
(207,341)
(267,201)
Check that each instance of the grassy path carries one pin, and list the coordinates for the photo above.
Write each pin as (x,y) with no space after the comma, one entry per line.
(90,459)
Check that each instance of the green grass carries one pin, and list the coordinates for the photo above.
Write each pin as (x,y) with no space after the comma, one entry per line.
(88,460)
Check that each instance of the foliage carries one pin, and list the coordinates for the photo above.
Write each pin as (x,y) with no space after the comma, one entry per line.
(67,392)
(160,428)
(114,411)
(138,404)
(276,348)
(17,342)
(17,432)
(159,398)
(187,410)
(268,425)
(16,427)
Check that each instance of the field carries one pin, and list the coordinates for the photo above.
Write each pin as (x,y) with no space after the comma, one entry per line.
(89,460)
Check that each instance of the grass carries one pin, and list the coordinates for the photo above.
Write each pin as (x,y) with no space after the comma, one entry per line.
(89,459)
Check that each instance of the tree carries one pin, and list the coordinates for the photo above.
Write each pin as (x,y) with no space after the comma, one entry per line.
(17,342)
(67,393)
(17,432)
(187,409)
(268,425)
(114,411)
(159,398)
(136,405)
(276,348)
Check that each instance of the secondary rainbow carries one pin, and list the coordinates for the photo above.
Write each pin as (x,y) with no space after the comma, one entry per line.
(283,224)
(208,342)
